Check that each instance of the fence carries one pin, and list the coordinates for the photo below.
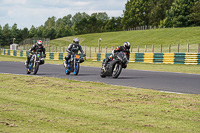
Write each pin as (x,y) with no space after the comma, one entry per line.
(171,48)
(167,58)
(31,41)
(148,27)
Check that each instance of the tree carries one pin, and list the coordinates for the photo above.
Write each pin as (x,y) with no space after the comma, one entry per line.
(25,33)
(60,31)
(15,33)
(1,35)
(103,16)
(68,31)
(82,26)
(158,10)
(49,33)
(50,22)
(32,32)
(6,35)
(136,13)
(179,14)
(195,14)
(78,17)
(113,24)
(67,20)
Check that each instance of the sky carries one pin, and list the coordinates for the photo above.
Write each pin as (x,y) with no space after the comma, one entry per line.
(26,13)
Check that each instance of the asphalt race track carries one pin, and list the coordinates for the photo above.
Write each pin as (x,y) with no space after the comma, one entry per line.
(162,81)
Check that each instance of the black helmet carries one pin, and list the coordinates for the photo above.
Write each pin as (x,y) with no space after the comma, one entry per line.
(76,41)
(127,45)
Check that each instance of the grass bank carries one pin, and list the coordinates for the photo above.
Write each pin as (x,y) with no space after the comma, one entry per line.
(43,104)
(194,69)
(173,36)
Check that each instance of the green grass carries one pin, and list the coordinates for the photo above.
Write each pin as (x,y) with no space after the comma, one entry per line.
(167,36)
(43,104)
(194,69)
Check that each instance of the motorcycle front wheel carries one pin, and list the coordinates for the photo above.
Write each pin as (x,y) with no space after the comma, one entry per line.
(116,70)
(76,70)
(67,71)
(36,67)
(28,71)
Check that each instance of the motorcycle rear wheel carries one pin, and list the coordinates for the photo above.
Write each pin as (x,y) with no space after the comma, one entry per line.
(102,74)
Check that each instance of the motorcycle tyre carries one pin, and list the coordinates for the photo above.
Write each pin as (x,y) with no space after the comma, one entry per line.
(118,72)
(77,71)
(102,74)
(28,71)
(36,68)
(68,72)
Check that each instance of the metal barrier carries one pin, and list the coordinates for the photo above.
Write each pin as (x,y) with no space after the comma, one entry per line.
(167,58)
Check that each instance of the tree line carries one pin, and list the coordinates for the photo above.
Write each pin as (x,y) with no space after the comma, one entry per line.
(168,13)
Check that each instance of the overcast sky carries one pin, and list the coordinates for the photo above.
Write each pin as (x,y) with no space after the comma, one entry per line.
(26,13)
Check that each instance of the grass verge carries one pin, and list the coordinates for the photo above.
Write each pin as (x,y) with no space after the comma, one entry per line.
(42,104)
(194,69)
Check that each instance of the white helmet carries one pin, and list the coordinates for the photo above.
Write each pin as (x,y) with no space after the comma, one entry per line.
(127,45)
(39,42)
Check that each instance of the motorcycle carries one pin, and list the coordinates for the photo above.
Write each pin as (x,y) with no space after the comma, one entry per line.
(114,67)
(34,63)
(73,64)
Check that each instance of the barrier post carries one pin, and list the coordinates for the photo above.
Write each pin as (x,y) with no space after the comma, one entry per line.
(152,48)
(178,48)
(90,53)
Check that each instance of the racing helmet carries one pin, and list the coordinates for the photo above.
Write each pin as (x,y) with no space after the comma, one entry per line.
(127,45)
(76,41)
(39,42)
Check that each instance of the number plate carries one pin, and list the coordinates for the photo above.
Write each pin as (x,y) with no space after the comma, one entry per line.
(77,56)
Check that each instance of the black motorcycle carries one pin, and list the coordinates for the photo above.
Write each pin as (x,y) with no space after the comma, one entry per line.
(114,67)
(34,63)
(73,64)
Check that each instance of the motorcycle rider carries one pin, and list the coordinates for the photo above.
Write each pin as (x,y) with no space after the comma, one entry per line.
(73,47)
(38,47)
(125,48)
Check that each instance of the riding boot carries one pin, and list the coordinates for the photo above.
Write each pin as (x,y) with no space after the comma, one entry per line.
(106,62)
(27,63)
(65,63)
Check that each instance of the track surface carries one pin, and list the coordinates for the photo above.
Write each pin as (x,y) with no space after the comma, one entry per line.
(163,81)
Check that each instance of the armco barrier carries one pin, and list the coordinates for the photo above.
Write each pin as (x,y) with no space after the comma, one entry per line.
(167,58)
